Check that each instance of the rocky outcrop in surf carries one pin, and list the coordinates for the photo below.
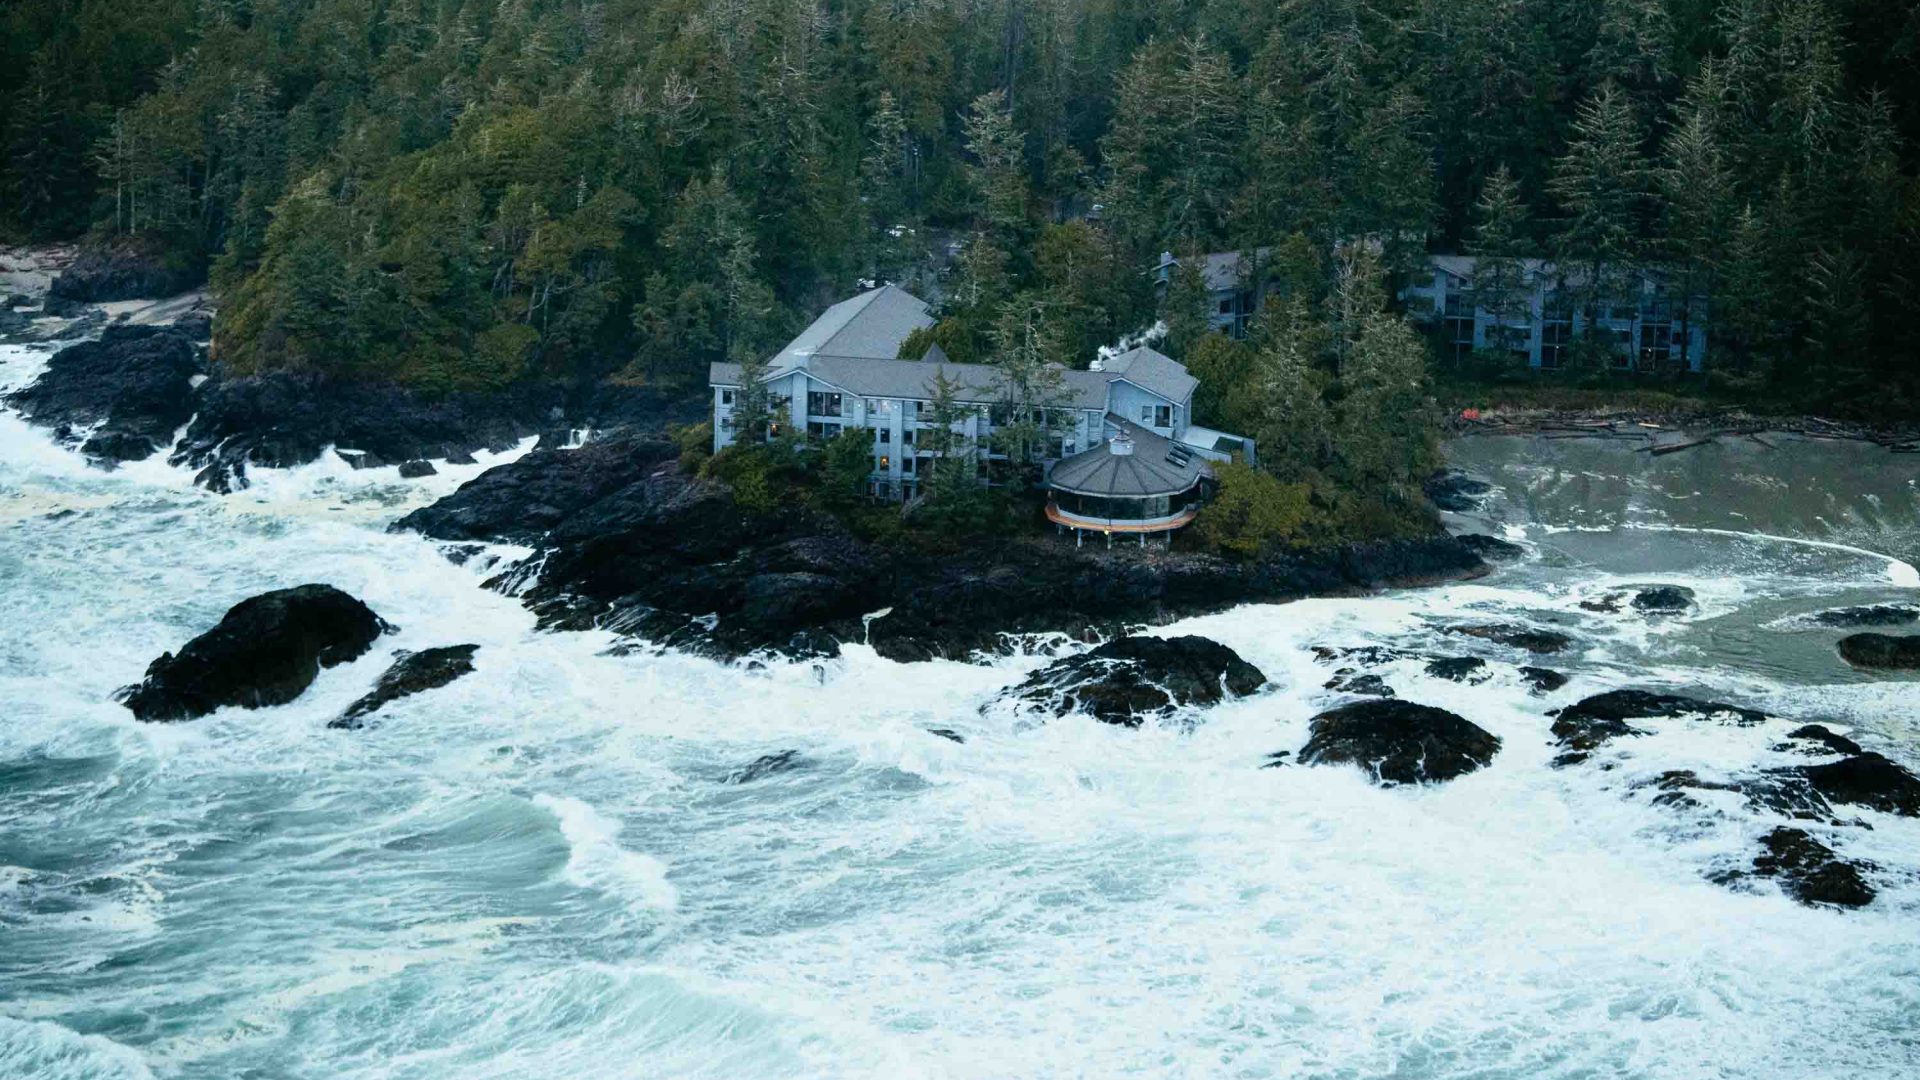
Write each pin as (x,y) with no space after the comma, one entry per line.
(264,651)
(629,543)
(1889,652)
(120,398)
(1134,679)
(1808,870)
(1399,742)
(1531,639)
(411,673)
(1589,724)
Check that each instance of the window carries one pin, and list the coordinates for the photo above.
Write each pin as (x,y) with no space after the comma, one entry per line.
(885,463)
(1163,416)
(907,465)
(906,437)
(820,432)
(823,403)
(1146,414)
(886,436)
(873,405)
(1226,307)
(726,397)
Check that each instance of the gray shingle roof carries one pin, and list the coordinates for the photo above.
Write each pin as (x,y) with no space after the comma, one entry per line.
(1152,468)
(872,325)
(1155,371)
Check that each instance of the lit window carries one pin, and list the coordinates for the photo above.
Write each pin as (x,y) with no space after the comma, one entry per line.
(885,463)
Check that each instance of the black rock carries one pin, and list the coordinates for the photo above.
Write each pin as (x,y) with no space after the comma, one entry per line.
(265,651)
(1814,738)
(1491,548)
(1277,759)
(1365,685)
(523,501)
(1866,779)
(1364,655)
(418,467)
(127,270)
(16,300)
(133,387)
(762,767)
(1882,651)
(1872,615)
(1451,489)
(411,673)
(1543,680)
(196,325)
(1663,599)
(1399,742)
(1133,679)
(1460,669)
(282,419)
(629,543)
(1810,871)
(460,457)
(1531,639)
(1590,723)
(948,734)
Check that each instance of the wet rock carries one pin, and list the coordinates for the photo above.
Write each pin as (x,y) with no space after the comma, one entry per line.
(1451,489)
(1399,742)
(1607,604)
(265,651)
(196,325)
(411,673)
(1871,615)
(1277,759)
(1663,599)
(522,502)
(124,270)
(1364,655)
(1349,682)
(762,767)
(417,468)
(283,419)
(1882,651)
(1542,680)
(1532,639)
(133,389)
(1810,871)
(1133,679)
(1816,739)
(948,734)
(1867,779)
(1461,669)
(1591,723)
(1492,548)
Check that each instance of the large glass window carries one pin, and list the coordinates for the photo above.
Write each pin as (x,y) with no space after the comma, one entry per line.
(823,403)
(1122,510)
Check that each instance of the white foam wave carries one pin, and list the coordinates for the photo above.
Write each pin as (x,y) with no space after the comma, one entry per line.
(595,859)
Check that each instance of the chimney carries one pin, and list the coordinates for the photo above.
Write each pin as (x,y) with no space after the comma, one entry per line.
(1121,445)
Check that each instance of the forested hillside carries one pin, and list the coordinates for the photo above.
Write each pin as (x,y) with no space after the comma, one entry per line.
(463,192)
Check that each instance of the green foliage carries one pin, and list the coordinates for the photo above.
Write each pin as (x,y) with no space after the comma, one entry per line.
(696,444)
(655,186)
(1251,512)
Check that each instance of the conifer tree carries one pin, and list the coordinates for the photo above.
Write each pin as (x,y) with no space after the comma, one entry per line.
(1601,184)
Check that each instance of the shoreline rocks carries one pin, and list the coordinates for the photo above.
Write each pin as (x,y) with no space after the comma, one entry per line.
(1134,679)
(628,543)
(1882,652)
(1398,742)
(1589,724)
(129,391)
(264,651)
(1810,871)
(411,673)
(124,270)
